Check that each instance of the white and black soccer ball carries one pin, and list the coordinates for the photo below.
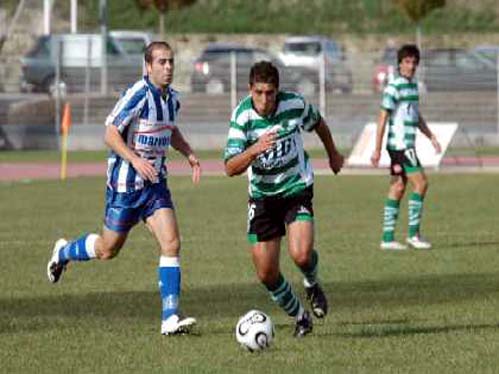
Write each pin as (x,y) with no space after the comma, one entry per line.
(255,331)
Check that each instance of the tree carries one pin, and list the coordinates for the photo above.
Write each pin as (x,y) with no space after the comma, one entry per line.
(163,6)
(417,10)
(13,22)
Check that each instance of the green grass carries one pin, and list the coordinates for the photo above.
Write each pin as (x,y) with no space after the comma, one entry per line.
(414,312)
(100,156)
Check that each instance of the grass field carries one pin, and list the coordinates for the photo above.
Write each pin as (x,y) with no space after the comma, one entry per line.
(413,312)
(100,156)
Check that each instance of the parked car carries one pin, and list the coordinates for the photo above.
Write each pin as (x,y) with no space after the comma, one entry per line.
(488,51)
(444,70)
(79,55)
(212,69)
(306,52)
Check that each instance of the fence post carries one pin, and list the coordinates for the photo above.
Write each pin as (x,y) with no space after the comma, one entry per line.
(322,85)
(233,80)
(497,93)
(57,87)
(87,80)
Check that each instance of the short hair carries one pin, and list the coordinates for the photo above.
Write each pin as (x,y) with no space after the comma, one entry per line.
(264,72)
(408,50)
(152,47)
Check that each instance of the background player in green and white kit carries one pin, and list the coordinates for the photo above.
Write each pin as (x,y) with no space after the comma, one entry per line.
(265,139)
(400,106)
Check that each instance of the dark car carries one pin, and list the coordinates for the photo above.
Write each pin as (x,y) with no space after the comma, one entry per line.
(444,70)
(212,71)
(79,55)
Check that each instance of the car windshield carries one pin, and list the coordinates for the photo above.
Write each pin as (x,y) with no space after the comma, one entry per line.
(132,46)
(304,49)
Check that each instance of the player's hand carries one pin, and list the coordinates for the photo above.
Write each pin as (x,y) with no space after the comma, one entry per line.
(336,162)
(375,158)
(265,142)
(436,145)
(145,169)
(196,168)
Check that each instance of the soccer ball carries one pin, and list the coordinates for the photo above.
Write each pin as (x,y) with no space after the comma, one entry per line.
(255,331)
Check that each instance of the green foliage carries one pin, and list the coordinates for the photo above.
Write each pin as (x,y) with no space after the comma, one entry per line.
(296,16)
(413,312)
(417,10)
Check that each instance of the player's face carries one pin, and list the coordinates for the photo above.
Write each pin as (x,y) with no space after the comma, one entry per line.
(160,70)
(408,66)
(264,96)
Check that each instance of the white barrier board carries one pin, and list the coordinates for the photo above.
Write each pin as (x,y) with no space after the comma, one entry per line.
(364,147)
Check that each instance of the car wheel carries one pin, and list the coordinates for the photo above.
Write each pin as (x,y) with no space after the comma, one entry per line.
(306,87)
(214,86)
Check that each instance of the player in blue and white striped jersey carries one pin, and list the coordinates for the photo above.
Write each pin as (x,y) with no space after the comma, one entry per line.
(139,131)
(400,108)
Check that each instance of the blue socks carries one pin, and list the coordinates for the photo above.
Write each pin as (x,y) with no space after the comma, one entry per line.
(81,249)
(169,285)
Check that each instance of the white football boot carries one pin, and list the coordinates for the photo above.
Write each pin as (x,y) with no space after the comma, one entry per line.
(177,325)
(54,267)
(392,246)
(417,242)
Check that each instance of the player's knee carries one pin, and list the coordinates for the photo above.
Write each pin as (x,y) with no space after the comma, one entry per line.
(171,247)
(301,258)
(268,276)
(108,252)
(398,189)
(422,186)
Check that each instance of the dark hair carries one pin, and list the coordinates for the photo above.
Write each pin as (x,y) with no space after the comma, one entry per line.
(151,47)
(264,72)
(408,50)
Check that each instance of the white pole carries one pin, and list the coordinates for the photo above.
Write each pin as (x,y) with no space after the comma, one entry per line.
(47,5)
(322,85)
(497,93)
(103,30)
(74,16)
(233,80)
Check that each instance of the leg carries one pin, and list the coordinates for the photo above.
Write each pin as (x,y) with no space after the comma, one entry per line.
(419,184)
(266,260)
(163,224)
(84,248)
(300,247)
(391,212)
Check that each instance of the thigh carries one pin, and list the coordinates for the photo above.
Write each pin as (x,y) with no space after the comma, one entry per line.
(397,160)
(110,242)
(163,224)
(300,237)
(265,220)
(122,210)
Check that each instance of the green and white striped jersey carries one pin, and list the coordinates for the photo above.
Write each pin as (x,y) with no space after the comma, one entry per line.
(285,169)
(401,99)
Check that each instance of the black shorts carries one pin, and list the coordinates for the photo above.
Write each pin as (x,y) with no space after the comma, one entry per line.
(404,162)
(268,217)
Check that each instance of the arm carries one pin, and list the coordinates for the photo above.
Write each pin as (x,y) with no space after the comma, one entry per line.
(179,143)
(426,130)
(380,132)
(335,158)
(239,163)
(114,141)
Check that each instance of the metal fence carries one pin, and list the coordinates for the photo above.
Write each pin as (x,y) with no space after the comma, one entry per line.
(456,86)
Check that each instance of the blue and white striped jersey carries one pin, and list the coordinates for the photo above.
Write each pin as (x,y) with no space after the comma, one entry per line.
(145,118)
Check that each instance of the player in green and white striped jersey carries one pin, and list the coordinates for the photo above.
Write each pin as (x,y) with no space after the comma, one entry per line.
(400,106)
(265,140)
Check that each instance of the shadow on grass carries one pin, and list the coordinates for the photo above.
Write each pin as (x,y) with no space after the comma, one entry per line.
(230,300)
(472,244)
(387,331)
